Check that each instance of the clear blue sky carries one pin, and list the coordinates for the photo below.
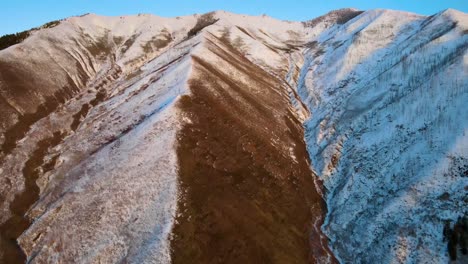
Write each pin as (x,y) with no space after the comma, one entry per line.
(19,15)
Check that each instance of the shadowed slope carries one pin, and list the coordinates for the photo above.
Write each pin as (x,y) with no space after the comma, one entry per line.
(248,191)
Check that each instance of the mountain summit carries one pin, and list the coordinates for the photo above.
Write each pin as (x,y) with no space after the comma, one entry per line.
(225,138)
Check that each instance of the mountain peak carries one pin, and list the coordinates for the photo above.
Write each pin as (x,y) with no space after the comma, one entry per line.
(456,16)
(220,136)
(339,16)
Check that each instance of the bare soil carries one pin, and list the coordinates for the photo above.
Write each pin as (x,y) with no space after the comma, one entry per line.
(245,198)
(19,222)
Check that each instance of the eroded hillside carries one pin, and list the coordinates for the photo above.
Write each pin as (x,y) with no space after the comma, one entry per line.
(216,138)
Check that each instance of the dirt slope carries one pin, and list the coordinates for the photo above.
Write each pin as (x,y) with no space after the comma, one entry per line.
(248,194)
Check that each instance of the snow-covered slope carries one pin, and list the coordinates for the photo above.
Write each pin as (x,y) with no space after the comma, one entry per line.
(105,156)
(102,154)
(148,140)
(388,94)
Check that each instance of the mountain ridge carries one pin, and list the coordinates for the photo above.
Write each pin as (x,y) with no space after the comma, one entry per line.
(116,113)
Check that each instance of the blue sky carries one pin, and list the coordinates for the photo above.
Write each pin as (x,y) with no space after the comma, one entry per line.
(19,15)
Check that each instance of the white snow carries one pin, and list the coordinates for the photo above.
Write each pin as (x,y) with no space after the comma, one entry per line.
(386,92)
(390,102)
(114,188)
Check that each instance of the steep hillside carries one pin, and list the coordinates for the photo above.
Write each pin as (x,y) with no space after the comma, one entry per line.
(124,133)
(388,132)
(216,138)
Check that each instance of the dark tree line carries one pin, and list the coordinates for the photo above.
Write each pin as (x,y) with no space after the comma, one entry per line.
(203,21)
(457,237)
(12,39)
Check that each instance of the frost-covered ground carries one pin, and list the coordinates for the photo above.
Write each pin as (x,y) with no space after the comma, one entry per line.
(89,114)
(388,94)
(108,188)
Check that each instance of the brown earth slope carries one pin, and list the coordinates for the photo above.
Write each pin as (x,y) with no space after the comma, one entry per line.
(112,144)
(248,191)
